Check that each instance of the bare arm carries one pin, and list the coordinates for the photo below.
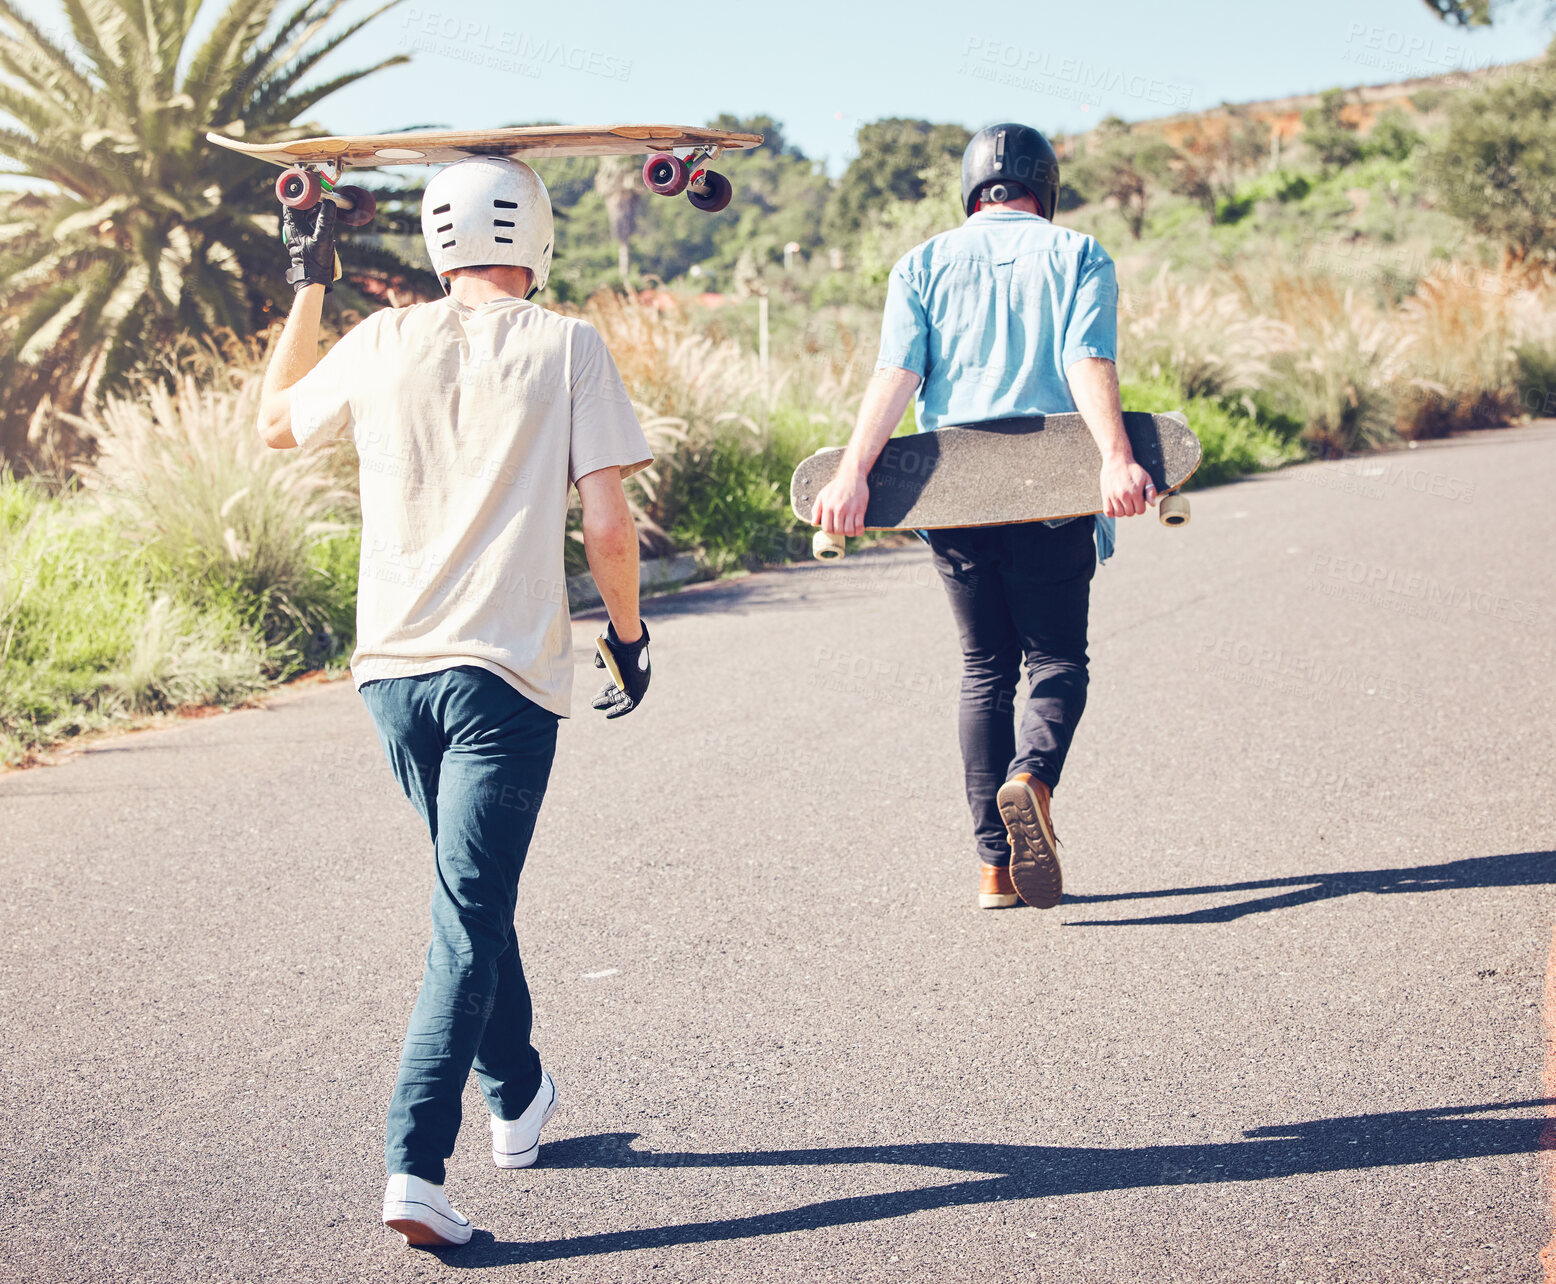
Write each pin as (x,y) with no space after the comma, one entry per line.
(611,543)
(1126,487)
(839,509)
(295,353)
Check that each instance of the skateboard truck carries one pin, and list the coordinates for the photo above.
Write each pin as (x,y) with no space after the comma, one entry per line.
(303,186)
(666,174)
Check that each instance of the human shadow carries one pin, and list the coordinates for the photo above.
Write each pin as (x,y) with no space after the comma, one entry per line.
(1516,869)
(1029,1172)
(791,578)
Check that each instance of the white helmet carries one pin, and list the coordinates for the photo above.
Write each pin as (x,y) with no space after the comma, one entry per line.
(488,210)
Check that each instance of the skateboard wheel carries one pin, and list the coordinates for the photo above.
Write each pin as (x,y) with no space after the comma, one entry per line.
(299,189)
(1173,510)
(665,174)
(827,548)
(709,192)
(363,206)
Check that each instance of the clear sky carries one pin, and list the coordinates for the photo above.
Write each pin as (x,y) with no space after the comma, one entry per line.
(822,67)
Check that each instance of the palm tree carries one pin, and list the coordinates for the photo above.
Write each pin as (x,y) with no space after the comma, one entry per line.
(144,230)
(619,182)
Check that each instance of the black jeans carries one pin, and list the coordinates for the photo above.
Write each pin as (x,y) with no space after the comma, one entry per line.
(1018,594)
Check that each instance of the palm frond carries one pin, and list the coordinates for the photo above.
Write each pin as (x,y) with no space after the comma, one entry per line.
(299,103)
(147,231)
(54,67)
(99,27)
(211,69)
(265,103)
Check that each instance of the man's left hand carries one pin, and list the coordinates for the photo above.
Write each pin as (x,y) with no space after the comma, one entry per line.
(628,666)
(309,236)
(1127,489)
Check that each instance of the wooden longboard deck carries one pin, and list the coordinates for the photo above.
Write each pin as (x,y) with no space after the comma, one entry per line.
(535,142)
(993,474)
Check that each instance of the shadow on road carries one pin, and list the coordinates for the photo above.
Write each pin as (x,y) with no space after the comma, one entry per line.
(1030,1172)
(1517,869)
(866,573)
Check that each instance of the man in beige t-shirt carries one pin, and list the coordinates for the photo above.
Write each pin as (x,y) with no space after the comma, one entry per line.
(473,416)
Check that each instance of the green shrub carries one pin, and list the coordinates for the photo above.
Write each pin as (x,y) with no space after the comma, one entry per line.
(731,491)
(227,523)
(101,621)
(1536,379)
(1393,136)
(732,505)
(1293,187)
(1494,166)
(1235,441)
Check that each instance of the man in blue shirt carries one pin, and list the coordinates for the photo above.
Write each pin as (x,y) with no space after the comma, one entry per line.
(1003,317)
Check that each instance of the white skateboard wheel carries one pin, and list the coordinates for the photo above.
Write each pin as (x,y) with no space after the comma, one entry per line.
(826,547)
(1173,509)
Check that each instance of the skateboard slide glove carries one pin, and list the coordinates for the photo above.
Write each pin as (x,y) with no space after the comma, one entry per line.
(309,236)
(627,663)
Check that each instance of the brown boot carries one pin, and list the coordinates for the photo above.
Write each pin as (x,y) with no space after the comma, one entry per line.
(995,890)
(1034,848)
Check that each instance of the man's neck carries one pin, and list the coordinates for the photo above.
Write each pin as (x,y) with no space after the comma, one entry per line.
(1007,207)
(473,291)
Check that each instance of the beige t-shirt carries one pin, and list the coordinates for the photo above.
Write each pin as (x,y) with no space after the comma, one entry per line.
(471,423)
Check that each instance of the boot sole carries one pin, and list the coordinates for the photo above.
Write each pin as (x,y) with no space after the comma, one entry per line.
(997,900)
(1034,864)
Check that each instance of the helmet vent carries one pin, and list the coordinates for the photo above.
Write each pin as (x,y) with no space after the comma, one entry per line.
(503,240)
(506,205)
(501,222)
(446,227)
(448,244)
(443,209)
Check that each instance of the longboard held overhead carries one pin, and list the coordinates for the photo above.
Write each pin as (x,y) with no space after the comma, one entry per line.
(313,166)
(536,142)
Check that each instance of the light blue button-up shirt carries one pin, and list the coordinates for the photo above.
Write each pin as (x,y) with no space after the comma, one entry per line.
(990,315)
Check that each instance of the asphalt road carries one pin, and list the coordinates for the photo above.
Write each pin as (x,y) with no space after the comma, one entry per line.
(1287,1024)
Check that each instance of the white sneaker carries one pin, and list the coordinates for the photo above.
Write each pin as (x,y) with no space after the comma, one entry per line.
(420,1212)
(516,1142)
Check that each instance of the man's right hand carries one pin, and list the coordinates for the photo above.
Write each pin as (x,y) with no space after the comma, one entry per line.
(839,509)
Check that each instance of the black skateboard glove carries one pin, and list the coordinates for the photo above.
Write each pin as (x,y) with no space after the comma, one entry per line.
(627,663)
(309,236)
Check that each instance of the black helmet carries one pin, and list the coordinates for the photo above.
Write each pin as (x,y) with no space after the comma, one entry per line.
(1015,155)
